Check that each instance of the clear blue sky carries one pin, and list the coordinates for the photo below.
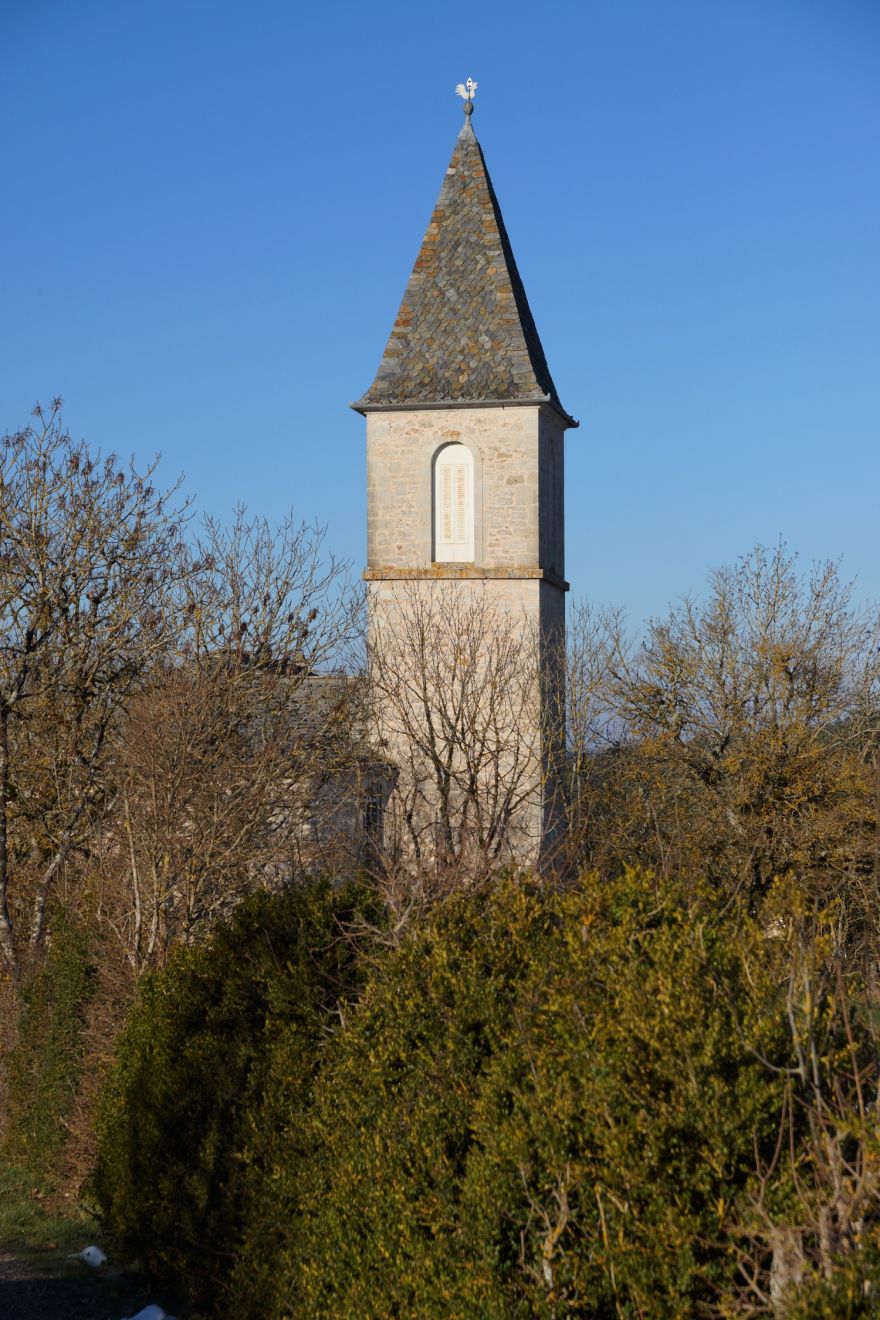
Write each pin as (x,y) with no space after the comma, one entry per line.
(210,209)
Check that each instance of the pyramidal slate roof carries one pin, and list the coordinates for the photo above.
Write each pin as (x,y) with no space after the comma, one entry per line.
(464,332)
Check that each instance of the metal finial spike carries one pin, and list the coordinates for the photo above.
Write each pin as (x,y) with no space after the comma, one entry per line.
(466,91)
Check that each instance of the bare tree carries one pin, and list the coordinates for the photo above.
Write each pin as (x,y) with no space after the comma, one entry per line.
(236,766)
(596,649)
(89,553)
(742,731)
(457,687)
(814,1200)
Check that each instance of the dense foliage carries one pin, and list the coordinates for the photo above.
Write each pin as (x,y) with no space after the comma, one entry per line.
(189,1076)
(50,1054)
(546,1104)
(540,1103)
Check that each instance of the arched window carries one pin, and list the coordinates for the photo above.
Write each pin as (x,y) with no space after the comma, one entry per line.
(454,505)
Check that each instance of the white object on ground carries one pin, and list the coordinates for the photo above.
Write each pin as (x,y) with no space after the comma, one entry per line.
(93,1256)
(151,1312)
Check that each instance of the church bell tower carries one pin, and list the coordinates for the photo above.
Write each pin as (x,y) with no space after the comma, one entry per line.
(465,435)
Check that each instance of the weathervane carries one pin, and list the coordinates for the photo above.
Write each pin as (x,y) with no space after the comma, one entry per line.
(466,92)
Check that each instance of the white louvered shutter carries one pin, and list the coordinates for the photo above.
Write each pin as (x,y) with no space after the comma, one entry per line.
(453,512)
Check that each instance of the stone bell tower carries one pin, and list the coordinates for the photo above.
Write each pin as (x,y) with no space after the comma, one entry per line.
(465,436)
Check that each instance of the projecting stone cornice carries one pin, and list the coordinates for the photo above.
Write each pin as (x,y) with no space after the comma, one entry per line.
(462,572)
(543,401)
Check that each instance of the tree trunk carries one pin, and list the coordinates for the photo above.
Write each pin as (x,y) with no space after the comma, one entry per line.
(786,1268)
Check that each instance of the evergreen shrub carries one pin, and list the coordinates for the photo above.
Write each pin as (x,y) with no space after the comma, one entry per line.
(46,1062)
(545,1104)
(178,1111)
(540,1103)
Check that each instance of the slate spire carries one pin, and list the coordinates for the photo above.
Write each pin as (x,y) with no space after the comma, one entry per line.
(464,333)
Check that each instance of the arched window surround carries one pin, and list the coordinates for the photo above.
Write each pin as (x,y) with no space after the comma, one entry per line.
(456,490)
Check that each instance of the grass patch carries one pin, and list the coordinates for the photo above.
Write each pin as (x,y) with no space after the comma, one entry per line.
(35,1229)
(43,1234)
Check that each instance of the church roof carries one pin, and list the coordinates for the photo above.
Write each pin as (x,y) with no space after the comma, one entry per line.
(464,333)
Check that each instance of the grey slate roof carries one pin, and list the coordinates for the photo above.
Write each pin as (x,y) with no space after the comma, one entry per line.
(464,332)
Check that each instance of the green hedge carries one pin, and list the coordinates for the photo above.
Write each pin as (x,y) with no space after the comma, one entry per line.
(47,1060)
(545,1105)
(540,1104)
(177,1115)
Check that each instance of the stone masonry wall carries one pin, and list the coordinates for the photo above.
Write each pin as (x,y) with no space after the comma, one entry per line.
(518,558)
(535,610)
(518,495)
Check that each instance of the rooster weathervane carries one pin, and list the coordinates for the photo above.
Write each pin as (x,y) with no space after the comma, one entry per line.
(466,92)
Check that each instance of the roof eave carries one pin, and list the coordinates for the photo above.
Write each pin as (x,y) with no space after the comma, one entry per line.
(363,407)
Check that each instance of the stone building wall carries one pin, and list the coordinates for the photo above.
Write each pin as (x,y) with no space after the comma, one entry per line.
(517,572)
(528,693)
(518,491)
